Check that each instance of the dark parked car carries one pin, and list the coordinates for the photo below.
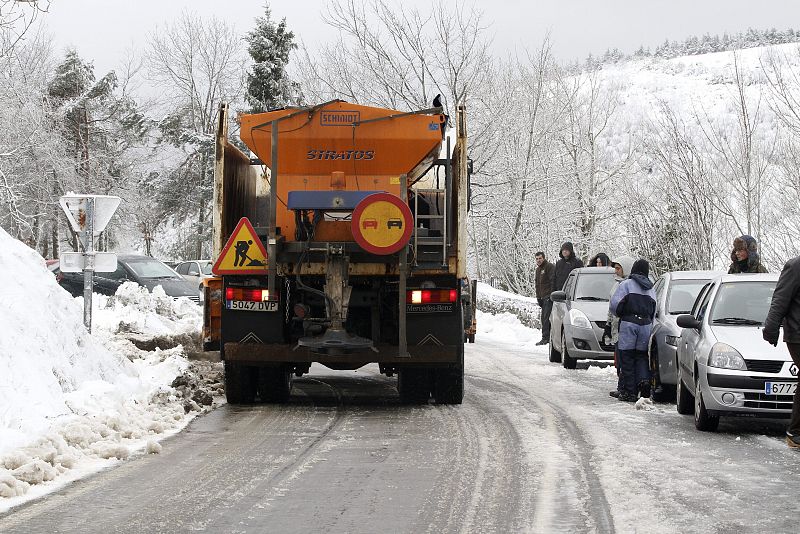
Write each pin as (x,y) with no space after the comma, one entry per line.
(144,270)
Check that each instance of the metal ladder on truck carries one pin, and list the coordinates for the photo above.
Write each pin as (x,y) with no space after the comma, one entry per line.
(430,250)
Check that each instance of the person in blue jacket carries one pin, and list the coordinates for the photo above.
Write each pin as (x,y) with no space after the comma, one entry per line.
(634,302)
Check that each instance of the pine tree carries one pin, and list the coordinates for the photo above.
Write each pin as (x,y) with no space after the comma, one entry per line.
(269,44)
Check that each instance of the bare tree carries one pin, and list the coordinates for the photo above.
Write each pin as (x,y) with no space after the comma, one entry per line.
(196,63)
(16,18)
(670,214)
(590,105)
(744,151)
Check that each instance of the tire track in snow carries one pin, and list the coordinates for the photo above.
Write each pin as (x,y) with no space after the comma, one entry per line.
(300,460)
(480,483)
(596,509)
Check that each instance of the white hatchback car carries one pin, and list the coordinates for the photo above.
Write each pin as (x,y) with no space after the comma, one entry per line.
(195,271)
(725,368)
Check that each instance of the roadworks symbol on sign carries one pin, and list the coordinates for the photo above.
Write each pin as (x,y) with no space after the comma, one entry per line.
(244,252)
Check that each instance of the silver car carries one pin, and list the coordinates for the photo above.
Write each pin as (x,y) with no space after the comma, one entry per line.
(675,295)
(195,271)
(579,317)
(725,368)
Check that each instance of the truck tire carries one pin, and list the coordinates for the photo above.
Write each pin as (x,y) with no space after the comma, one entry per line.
(448,382)
(241,383)
(414,385)
(274,384)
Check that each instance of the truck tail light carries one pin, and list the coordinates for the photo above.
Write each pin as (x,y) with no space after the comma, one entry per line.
(431,296)
(246,294)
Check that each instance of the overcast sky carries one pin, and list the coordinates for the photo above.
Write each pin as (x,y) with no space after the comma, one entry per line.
(102,30)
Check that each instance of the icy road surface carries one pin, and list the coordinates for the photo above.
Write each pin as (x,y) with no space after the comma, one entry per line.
(533,448)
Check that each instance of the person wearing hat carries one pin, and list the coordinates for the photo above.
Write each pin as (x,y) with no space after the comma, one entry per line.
(565,264)
(622,267)
(634,302)
(745,257)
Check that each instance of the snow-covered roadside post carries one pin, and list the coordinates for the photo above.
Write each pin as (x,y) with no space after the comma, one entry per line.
(88,215)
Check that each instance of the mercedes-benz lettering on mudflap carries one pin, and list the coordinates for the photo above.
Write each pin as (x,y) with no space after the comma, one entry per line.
(326,260)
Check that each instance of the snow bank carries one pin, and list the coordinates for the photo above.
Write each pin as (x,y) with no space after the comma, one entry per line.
(507,317)
(72,403)
(496,301)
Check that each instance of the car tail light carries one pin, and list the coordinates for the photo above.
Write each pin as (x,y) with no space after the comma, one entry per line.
(247,294)
(431,296)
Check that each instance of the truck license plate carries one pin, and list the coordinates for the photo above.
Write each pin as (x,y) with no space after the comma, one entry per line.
(265,306)
(780,388)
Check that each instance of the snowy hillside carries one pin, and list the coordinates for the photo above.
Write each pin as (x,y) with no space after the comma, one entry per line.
(72,403)
(697,84)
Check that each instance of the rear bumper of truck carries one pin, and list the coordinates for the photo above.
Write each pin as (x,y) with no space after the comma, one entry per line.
(267,354)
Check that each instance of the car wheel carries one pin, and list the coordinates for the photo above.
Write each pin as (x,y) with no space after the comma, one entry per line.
(555,356)
(661,392)
(702,419)
(683,399)
(567,361)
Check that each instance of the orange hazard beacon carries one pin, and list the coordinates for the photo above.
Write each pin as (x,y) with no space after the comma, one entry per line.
(341,239)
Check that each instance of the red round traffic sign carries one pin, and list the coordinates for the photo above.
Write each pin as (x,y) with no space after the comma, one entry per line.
(382,223)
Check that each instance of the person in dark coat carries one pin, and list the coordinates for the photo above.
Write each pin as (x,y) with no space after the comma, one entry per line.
(785,309)
(744,256)
(564,266)
(543,276)
(634,303)
(601,260)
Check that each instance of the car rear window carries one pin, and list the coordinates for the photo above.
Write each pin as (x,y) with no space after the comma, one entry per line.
(150,269)
(742,302)
(682,294)
(206,267)
(594,286)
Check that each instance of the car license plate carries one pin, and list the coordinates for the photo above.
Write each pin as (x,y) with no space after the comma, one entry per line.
(265,306)
(780,388)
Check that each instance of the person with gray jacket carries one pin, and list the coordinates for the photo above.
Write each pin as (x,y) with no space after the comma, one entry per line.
(622,268)
(785,310)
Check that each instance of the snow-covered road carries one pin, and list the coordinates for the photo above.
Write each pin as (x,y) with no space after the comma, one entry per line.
(533,448)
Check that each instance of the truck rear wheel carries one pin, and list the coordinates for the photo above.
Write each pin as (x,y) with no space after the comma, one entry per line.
(448,387)
(414,385)
(274,384)
(241,383)
(448,382)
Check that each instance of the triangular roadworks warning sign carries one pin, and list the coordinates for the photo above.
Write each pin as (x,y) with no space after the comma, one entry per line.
(244,252)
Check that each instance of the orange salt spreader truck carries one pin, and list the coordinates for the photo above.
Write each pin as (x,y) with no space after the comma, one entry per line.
(342,242)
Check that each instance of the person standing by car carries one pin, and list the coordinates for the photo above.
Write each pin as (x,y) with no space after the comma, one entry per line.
(622,266)
(785,309)
(543,282)
(634,303)
(601,260)
(564,266)
(744,256)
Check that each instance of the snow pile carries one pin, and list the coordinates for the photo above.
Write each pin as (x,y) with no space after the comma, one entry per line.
(496,301)
(507,317)
(135,309)
(71,402)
